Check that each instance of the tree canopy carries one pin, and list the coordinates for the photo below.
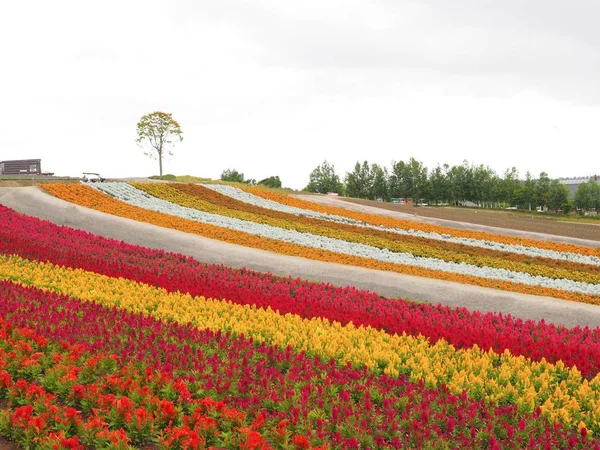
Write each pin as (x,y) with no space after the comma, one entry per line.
(587,195)
(157,132)
(463,184)
(272,182)
(232,175)
(558,197)
(323,179)
(359,182)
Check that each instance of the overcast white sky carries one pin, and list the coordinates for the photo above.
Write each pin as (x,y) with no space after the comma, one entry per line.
(275,87)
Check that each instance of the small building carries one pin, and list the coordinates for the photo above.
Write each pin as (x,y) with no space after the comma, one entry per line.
(21,167)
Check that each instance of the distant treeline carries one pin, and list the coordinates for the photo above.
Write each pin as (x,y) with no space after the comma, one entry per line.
(458,184)
(238,177)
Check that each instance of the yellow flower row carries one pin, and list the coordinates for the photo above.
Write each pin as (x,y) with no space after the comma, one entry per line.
(375,219)
(561,392)
(364,236)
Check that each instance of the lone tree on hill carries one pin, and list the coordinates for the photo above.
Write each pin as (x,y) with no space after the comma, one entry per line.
(157,132)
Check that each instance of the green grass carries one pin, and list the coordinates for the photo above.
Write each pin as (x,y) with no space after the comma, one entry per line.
(589,219)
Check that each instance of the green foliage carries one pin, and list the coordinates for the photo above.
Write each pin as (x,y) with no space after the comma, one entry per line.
(379,186)
(232,175)
(510,186)
(458,184)
(542,190)
(359,182)
(272,182)
(438,185)
(594,192)
(527,193)
(370,182)
(459,178)
(323,179)
(558,197)
(587,195)
(157,132)
(408,179)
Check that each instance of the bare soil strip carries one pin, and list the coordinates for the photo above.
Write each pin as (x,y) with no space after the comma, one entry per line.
(498,222)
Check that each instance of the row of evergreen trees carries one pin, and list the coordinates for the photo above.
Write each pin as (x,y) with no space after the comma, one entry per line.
(452,185)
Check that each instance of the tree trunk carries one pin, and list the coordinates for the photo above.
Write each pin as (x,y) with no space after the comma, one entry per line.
(160,162)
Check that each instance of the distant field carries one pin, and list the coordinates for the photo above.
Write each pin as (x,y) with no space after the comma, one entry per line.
(584,228)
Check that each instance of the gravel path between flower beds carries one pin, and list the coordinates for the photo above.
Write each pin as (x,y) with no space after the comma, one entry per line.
(33,201)
(340,203)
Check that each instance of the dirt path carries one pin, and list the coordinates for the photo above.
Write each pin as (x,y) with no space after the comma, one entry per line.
(35,202)
(541,229)
(5,444)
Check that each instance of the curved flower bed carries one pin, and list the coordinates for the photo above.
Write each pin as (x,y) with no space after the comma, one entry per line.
(208,197)
(341,406)
(378,388)
(86,196)
(198,197)
(135,197)
(418,226)
(403,227)
(561,393)
(40,240)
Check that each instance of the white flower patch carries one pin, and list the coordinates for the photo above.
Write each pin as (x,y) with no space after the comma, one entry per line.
(255,200)
(133,196)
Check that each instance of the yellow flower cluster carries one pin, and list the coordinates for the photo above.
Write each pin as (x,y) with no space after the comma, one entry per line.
(561,392)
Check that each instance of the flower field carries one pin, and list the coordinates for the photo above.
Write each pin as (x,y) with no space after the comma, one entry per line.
(109,345)
(261,219)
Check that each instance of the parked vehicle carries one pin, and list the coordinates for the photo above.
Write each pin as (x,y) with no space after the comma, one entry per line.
(89,177)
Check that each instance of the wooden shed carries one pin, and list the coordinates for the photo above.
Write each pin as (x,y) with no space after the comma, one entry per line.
(21,167)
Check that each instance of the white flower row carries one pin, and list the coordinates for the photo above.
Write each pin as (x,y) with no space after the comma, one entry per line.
(252,199)
(133,196)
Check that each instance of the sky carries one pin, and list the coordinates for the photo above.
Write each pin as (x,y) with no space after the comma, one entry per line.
(272,87)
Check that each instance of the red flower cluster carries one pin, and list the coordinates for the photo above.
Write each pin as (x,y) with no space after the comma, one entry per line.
(69,398)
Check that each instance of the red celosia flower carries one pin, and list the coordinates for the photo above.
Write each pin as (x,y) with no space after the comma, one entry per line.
(301,442)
